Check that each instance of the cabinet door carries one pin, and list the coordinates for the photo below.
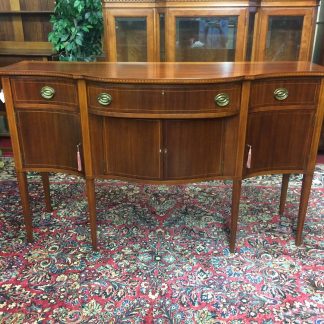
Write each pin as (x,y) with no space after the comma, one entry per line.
(284,35)
(279,139)
(217,35)
(49,138)
(126,147)
(200,148)
(130,35)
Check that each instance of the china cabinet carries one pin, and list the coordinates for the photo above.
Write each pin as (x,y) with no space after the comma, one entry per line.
(209,31)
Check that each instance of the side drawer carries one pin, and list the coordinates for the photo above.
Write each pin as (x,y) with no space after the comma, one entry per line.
(168,99)
(44,91)
(302,92)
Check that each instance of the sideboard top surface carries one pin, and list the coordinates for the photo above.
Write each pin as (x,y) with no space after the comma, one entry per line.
(164,72)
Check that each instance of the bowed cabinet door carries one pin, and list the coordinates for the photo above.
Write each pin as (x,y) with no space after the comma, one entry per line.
(199,149)
(126,148)
(48,122)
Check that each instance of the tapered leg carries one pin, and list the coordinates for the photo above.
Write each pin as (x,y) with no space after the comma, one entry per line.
(46,187)
(283,196)
(23,189)
(236,193)
(92,211)
(305,192)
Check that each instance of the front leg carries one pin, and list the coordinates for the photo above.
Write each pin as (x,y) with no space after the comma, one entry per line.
(305,192)
(92,211)
(236,194)
(283,195)
(23,189)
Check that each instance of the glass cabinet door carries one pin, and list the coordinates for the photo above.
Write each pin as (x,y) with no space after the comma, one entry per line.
(130,35)
(205,36)
(284,35)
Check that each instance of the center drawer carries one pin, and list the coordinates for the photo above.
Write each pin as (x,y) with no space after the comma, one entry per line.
(170,99)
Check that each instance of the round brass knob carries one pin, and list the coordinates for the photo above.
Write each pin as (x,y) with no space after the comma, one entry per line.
(222,99)
(104,99)
(47,92)
(281,94)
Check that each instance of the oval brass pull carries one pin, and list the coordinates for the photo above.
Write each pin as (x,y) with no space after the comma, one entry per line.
(222,99)
(47,92)
(281,94)
(104,99)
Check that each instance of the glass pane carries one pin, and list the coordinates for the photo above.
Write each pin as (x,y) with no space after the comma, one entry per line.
(206,39)
(284,38)
(162,38)
(131,38)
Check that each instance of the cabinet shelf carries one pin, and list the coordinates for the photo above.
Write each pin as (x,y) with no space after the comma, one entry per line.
(26,12)
(24,28)
(24,51)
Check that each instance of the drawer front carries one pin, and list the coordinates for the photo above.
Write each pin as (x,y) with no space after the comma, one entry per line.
(209,99)
(125,98)
(170,99)
(282,92)
(44,91)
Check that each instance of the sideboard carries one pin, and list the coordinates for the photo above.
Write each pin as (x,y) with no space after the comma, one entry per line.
(165,123)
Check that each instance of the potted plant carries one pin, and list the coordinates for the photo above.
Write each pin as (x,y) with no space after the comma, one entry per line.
(77,29)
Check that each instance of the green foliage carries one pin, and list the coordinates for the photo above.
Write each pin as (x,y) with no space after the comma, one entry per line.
(77,29)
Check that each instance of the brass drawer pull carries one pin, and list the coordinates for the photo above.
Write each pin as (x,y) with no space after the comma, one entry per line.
(281,94)
(222,99)
(104,99)
(47,92)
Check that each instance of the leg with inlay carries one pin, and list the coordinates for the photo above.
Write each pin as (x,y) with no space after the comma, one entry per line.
(283,196)
(92,211)
(46,187)
(236,194)
(304,197)
(23,189)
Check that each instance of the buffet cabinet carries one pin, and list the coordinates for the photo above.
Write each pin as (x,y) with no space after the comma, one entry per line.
(209,31)
(165,123)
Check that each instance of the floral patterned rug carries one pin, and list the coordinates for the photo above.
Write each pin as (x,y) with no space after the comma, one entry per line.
(163,254)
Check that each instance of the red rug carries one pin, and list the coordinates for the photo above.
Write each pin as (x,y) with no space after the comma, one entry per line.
(163,255)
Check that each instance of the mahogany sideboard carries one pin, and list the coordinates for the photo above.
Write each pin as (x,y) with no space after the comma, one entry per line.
(165,123)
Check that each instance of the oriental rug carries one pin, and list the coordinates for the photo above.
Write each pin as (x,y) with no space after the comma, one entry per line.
(163,254)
